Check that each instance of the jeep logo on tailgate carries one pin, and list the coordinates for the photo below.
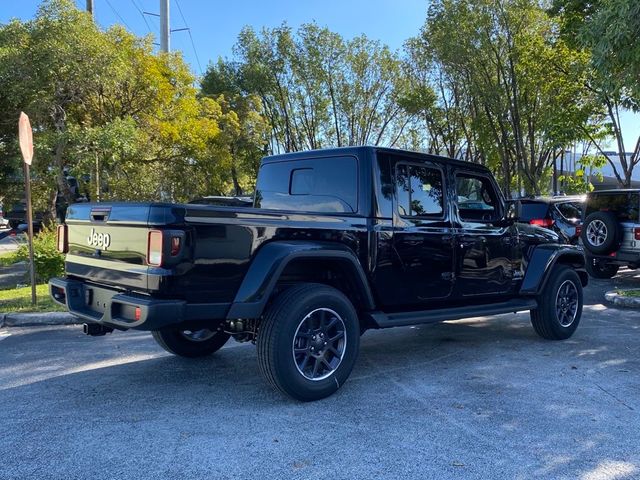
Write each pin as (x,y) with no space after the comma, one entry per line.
(99,240)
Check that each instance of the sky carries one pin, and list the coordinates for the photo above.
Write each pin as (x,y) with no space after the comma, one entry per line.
(214,25)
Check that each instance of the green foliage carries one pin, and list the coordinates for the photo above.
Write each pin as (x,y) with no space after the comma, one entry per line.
(589,166)
(315,88)
(47,260)
(510,91)
(607,32)
(503,83)
(8,258)
(103,104)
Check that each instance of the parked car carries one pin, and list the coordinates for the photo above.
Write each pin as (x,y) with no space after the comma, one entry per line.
(611,231)
(18,216)
(562,214)
(339,241)
(4,223)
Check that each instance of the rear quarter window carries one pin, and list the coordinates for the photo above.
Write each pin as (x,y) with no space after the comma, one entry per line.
(625,205)
(318,185)
(533,210)
(571,211)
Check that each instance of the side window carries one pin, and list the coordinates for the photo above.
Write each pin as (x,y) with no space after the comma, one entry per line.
(419,191)
(477,199)
(322,185)
(571,211)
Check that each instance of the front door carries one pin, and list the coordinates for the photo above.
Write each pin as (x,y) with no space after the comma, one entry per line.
(422,234)
(486,248)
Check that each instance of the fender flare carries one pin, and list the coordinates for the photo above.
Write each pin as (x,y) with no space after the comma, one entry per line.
(269,262)
(544,258)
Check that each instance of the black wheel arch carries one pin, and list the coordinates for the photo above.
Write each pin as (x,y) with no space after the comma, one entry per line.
(277,261)
(541,263)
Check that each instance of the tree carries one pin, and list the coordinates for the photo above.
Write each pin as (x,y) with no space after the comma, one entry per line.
(102,102)
(607,31)
(516,82)
(316,89)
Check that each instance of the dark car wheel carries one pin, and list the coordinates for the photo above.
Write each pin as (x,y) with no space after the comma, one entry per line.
(308,341)
(600,269)
(190,343)
(601,233)
(559,305)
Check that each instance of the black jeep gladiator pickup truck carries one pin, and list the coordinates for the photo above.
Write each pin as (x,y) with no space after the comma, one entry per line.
(338,241)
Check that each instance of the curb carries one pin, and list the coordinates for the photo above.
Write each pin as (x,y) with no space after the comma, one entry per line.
(37,319)
(612,296)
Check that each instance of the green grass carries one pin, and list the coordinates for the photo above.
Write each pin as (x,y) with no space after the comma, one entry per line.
(7,259)
(629,293)
(19,300)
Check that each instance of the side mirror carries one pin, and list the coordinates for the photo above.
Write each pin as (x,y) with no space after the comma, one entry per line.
(513,210)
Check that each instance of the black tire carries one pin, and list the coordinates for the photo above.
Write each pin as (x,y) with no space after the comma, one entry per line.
(600,269)
(549,320)
(308,306)
(601,233)
(191,344)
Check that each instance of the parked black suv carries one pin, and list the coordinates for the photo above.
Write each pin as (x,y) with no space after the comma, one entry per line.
(562,214)
(611,231)
(337,241)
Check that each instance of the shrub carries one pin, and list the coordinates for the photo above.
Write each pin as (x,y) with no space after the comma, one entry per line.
(49,262)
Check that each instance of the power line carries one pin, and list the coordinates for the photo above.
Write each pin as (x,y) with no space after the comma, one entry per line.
(118,15)
(142,15)
(193,45)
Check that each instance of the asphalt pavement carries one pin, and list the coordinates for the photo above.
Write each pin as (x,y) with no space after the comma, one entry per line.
(481,398)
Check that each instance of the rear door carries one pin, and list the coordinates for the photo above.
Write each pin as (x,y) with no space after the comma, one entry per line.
(422,234)
(486,251)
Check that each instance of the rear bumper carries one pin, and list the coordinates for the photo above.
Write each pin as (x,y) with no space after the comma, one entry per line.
(116,309)
(621,257)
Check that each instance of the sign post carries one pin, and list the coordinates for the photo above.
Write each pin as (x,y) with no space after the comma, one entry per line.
(25,134)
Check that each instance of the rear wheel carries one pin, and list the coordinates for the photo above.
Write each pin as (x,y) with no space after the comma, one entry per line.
(308,341)
(190,343)
(600,269)
(559,305)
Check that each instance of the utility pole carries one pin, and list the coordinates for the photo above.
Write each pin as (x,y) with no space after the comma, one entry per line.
(90,7)
(164,26)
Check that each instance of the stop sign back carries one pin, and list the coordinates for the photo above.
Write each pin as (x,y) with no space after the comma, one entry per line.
(26,138)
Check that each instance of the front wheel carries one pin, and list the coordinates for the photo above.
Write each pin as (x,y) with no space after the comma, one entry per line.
(190,343)
(559,305)
(308,341)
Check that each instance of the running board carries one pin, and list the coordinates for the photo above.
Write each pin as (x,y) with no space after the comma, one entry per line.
(387,320)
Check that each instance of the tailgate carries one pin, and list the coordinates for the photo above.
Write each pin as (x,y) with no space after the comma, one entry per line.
(107,243)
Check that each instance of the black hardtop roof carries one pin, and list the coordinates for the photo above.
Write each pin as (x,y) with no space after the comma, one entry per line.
(362,151)
(554,199)
(615,190)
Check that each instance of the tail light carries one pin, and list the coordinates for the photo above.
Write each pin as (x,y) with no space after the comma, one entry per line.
(636,233)
(176,243)
(163,244)
(578,230)
(61,239)
(542,222)
(154,248)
